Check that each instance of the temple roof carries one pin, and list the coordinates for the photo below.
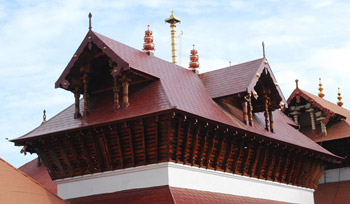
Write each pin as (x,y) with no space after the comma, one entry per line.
(168,194)
(337,129)
(177,89)
(17,187)
(39,173)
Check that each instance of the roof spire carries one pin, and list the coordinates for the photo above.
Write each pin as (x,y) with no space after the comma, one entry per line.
(297,83)
(194,64)
(263,45)
(320,94)
(44,116)
(90,16)
(230,63)
(148,46)
(339,103)
(172,20)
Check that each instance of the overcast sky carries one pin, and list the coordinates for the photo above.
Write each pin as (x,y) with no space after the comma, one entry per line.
(304,40)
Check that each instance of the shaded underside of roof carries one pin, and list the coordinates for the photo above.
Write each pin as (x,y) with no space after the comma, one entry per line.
(335,193)
(230,80)
(177,89)
(39,173)
(18,188)
(167,194)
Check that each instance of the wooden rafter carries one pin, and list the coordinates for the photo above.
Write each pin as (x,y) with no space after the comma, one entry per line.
(185,146)
(157,137)
(66,160)
(195,144)
(228,155)
(218,151)
(285,161)
(105,149)
(246,156)
(279,157)
(55,160)
(131,143)
(120,151)
(256,159)
(201,151)
(178,135)
(238,153)
(210,149)
(270,156)
(84,150)
(46,162)
(143,140)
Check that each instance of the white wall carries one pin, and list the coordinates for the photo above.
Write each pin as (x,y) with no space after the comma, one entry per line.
(178,175)
(335,175)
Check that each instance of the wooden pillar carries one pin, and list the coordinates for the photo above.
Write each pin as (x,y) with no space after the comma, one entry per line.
(85,81)
(77,103)
(313,124)
(267,114)
(116,104)
(250,109)
(271,121)
(245,111)
(125,85)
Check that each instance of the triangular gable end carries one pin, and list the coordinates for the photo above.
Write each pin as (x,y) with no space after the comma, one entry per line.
(265,70)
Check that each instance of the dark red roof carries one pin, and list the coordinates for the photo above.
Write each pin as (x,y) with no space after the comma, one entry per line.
(18,188)
(39,173)
(177,89)
(335,193)
(335,130)
(166,194)
(236,79)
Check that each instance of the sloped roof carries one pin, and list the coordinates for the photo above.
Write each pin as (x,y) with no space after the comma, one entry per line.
(337,130)
(236,79)
(177,89)
(18,188)
(167,194)
(39,173)
(335,193)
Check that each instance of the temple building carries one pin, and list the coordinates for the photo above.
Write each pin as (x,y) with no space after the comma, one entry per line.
(145,130)
(328,124)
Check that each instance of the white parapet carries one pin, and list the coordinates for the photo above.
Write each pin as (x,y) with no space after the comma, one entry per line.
(183,176)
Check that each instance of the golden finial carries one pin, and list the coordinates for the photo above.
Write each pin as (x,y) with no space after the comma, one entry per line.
(148,46)
(172,20)
(339,103)
(194,64)
(320,94)
(297,83)
(90,16)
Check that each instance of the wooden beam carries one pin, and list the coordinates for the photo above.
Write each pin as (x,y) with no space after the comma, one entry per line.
(195,144)
(277,164)
(262,158)
(68,142)
(84,150)
(105,149)
(178,140)
(237,155)
(185,146)
(256,159)
(41,153)
(246,156)
(128,128)
(143,141)
(291,167)
(218,151)
(56,161)
(96,150)
(210,150)
(157,138)
(228,151)
(63,152)
(285,161)
(269,161)
(295,174)
(120,151)
(200,154)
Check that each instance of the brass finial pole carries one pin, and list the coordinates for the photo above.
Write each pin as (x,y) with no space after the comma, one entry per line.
(172,20)
(340,102)
(320,94)
(44,116)
(263,45)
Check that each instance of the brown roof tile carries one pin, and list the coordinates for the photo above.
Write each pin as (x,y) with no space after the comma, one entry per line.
(18,188)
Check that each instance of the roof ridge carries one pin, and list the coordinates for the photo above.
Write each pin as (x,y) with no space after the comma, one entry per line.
(37,183)
(232,66)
